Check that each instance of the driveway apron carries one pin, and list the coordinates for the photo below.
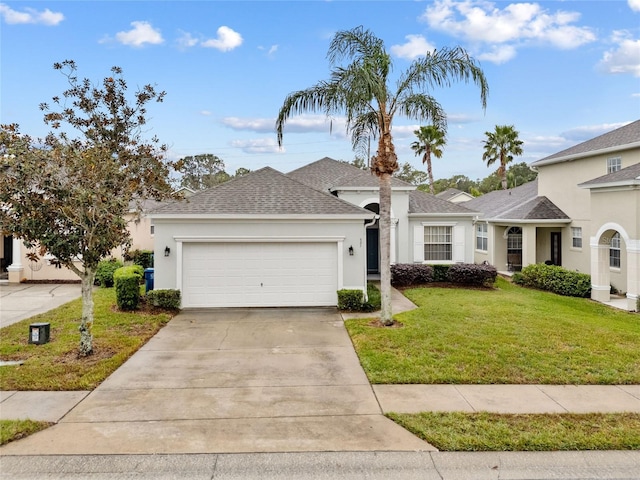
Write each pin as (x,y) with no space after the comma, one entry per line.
(231,381)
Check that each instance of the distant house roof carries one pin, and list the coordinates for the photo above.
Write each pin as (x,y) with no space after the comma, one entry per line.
(619,139)
(328,175)
(625,176)
(451,193)
(520,203)
(422,202)
(265,192)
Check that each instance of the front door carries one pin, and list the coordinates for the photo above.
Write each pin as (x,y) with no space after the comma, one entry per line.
(556,248)
(373,250)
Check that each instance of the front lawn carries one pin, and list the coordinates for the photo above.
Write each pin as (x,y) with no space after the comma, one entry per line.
(55,365)
(482,431)
(508,335)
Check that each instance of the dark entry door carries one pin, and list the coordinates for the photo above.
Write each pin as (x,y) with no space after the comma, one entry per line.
(556,248)
(373,242)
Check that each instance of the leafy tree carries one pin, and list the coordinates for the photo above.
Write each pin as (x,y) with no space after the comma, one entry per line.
(241,171)
(361,91)
(431,140)
(201,171)
(411,175)
(519,174)
(69,196)
(501,146)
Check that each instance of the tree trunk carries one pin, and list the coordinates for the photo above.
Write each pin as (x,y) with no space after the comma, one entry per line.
(385,249)
(86,338)
(430,173)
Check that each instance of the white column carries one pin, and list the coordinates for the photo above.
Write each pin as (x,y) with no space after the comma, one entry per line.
(394,233)
(15,269)
(600,278)
(633,274)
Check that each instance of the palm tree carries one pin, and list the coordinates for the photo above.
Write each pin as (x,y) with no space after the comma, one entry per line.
(502,145)
(430,141)
(360,90)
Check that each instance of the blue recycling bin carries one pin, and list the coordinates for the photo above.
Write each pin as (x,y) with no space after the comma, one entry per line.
(148,279)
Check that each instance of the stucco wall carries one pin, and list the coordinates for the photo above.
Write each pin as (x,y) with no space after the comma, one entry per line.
(166,232)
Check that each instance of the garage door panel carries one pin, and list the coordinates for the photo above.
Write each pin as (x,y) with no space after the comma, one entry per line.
(259,274)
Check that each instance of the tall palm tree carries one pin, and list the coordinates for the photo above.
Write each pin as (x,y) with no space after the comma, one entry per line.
(360,90)
(502,145)
(430,141)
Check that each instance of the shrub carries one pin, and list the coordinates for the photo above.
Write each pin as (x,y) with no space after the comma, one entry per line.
(169,299)
(104,272)
(408,274)
(557,280)
(374,299)
(440,272)
(127,283)
(472,274)
(517,278)
(144,258)
(350,300)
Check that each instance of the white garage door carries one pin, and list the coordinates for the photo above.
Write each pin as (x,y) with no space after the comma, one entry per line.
(259,274)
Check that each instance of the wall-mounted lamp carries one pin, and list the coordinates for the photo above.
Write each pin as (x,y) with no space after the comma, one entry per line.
(351,250)
(167,251)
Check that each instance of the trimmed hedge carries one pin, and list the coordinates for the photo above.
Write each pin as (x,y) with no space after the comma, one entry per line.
(105,270)
(350,300)
(407,274)
(555,279)
(169,299)
(472,274)
(440,272)
(126,281)
(144,258)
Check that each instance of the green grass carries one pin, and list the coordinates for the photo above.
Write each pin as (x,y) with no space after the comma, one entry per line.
(492,432)
(11,430)
(508,335)
(55,365)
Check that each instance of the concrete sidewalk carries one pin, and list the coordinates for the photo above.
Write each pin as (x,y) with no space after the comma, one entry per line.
(24,300)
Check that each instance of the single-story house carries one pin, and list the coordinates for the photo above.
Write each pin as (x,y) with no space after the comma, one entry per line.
(270,239)
(455,195)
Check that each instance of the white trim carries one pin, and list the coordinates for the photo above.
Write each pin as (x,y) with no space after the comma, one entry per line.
(256,239)
(179,265)
(340,258)
(612,226)
(590,153)
(176,217)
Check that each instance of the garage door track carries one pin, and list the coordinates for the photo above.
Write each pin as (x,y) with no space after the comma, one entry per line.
(232,380)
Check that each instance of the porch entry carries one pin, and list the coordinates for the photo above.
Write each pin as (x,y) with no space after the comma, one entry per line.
(514,249)
(556,248)
(373,241)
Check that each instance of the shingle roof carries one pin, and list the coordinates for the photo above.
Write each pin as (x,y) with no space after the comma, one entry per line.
(422,202)
(448,193)
(263,192)
(328,174)
(520,203)
(630,174)
(616,139)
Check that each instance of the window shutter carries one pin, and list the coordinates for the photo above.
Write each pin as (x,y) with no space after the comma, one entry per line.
(458,243)
(418,243)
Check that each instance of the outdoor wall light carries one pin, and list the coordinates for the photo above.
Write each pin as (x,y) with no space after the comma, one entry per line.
(167,251)
(351,250)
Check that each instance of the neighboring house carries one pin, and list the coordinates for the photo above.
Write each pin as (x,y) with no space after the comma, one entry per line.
(582,212)
(270,239)
(454,195)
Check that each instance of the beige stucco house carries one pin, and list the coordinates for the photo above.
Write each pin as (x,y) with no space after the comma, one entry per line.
(583,213)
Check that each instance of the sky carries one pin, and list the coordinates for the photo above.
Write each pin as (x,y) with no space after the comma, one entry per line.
(560,72)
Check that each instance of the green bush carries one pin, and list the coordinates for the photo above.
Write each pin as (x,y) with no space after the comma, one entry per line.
(350,300)
(127,284)
(169,299)
(556,279)
(144,258)
(409,274)
(440,272)
(104,272)
(374,299)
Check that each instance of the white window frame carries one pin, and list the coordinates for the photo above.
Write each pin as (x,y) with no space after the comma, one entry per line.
(576,238)
(458,236)
(482,236)
(615,251)
(441,239)
(614,164)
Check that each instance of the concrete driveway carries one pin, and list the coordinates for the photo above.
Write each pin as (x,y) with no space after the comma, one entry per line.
(232,380)
(24,300)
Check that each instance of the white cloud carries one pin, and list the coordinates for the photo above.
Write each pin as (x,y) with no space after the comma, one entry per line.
(416,46)
(140,34)
(625,57)
(260,145)
(634,5)
(297,124)
(226,40)
(185,40)
(250,124)
(206,113)
(587,132)
(505,29)
(30,15)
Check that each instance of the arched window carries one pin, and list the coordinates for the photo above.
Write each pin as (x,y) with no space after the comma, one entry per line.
(614,251)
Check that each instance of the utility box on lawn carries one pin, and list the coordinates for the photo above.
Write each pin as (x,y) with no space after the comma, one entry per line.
(39,333)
